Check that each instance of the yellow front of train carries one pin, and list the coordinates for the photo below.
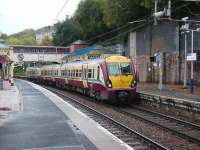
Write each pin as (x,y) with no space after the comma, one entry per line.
(120,71)
(121,76)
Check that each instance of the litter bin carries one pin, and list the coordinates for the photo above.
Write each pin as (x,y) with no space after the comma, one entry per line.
(1,84)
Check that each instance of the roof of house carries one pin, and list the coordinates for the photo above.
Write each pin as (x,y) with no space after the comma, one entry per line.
(79,42)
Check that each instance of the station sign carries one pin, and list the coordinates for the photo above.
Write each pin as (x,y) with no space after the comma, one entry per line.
(192,57)
(185,27)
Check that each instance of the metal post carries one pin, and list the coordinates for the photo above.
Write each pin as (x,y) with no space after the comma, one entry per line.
(160,71)
(56,54)
(185,63)
(155,11)
(192,76)
(169,8)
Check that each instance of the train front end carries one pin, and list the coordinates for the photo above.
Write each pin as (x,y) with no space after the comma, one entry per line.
(121,79)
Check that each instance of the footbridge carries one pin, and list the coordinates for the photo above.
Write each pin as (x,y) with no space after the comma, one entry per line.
(23,53)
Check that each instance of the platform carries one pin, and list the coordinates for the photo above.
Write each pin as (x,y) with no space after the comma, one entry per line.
(174,95)
(10,101)
(47,122)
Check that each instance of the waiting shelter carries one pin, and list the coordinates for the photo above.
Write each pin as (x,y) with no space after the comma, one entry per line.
(6,67)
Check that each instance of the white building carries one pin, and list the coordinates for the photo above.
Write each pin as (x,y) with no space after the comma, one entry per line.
(25,53)
(42,32)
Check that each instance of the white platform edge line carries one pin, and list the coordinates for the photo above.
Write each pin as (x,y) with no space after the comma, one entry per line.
(45,91)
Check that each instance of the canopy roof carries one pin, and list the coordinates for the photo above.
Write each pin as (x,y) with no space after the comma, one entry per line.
(4,46)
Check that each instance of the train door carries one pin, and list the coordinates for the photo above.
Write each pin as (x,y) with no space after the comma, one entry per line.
(84,75)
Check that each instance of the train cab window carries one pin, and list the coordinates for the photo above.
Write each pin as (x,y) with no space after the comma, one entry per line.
(113,69)
(125,68)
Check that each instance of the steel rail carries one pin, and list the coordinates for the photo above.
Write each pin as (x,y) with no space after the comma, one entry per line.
(179,133)
(140,136)
(183,122)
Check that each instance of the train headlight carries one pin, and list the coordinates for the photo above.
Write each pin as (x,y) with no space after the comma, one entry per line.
(109,84)
(134,83)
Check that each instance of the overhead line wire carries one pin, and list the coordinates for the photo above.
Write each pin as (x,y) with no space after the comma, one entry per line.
(117,29)
(123,26)
(120,34)
(63,6)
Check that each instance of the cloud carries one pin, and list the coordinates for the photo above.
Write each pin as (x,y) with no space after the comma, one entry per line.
(17,15)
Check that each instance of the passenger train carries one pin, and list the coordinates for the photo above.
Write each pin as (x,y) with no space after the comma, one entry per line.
(112,78)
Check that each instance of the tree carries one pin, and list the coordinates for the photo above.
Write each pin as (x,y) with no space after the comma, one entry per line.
(96,17)
(26,37)
(119,12)
(89,18)
(65,33)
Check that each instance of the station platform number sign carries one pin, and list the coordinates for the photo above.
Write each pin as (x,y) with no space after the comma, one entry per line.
(191,56)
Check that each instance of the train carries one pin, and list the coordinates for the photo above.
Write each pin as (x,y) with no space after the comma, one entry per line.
(104,79)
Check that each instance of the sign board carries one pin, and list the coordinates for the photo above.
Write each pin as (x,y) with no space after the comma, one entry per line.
(185,27)
(20,57)
(191,57)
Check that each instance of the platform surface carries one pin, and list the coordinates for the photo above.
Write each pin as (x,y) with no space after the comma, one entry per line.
(46,122)
(174,91)
(40,125)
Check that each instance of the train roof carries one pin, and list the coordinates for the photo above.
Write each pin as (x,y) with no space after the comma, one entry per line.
(91,61)
(117,59)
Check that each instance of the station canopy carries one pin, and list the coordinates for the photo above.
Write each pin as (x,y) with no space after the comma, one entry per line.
(3,56)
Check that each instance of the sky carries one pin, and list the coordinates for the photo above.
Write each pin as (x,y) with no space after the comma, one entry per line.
(17,15)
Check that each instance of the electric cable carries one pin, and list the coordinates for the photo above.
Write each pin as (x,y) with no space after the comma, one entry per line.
(63,6)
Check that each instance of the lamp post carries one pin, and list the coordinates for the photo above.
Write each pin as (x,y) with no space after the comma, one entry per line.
(185,28)
(192,62)
(192,70)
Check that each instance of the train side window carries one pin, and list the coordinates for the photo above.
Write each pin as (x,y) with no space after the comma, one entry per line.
(66,73)
(98,72)
(80,73)
(84,73)
(76,73)
(73,73)
(89,73)
(93,73)
(69,73)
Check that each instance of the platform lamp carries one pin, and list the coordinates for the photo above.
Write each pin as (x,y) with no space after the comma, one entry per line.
(192,62)
(185,28)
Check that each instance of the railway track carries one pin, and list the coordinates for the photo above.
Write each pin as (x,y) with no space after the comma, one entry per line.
(134,139)
(183,129)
